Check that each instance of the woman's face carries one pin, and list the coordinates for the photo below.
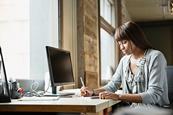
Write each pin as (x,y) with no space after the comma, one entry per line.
(125,46)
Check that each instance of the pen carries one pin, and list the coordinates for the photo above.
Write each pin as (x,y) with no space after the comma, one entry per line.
(82,82)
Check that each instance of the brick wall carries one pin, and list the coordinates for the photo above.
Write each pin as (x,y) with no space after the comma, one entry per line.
(88,42)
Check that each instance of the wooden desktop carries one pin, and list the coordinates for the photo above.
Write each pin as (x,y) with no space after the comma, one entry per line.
(63,104)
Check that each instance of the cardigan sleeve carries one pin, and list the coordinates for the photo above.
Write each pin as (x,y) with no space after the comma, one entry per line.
(115,82)
(157,76)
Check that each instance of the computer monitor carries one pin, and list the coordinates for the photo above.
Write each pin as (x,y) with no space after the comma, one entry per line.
(60,67)
(4,88)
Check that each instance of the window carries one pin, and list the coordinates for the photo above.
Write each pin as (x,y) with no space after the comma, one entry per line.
(107,11)
(107,27)
(26,27)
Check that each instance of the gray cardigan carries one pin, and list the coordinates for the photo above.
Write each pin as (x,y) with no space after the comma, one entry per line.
(156,89)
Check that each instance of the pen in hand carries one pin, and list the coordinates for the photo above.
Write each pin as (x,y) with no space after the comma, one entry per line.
(82,82)
(83,85)
(85,91)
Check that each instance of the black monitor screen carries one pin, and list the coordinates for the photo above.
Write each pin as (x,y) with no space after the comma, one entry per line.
(60,66)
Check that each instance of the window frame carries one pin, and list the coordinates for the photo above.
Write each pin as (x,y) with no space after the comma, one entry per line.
(110,29)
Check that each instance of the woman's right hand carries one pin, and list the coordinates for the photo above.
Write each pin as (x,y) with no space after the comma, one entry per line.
(86,92)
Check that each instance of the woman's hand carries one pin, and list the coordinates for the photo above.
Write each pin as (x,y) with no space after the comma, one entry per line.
(86,92)
(108,95)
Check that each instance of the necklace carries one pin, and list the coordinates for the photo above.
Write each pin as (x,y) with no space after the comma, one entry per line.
(136,61)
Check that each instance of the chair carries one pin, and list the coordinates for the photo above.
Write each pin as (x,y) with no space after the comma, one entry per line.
(170,83)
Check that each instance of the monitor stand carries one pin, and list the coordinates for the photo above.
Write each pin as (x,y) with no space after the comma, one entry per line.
(57,91)
(49,89)
(54,89)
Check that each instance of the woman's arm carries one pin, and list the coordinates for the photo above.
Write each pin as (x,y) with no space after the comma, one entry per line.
(135,98)
(97,91)
(116,80)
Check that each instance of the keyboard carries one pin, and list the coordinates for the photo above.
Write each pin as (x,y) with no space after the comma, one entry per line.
(38,98)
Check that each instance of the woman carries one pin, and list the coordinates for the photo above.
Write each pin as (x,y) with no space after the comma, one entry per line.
(141,71)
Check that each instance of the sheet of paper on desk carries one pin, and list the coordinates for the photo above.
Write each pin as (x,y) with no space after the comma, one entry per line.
(38,98)
(59,93)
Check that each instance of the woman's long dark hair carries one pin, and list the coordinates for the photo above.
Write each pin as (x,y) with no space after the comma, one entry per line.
(131,31)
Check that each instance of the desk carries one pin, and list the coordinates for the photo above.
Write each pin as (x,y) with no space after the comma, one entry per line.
(73,104)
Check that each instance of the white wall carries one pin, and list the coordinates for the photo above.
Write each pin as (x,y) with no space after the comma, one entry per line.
(43,31)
